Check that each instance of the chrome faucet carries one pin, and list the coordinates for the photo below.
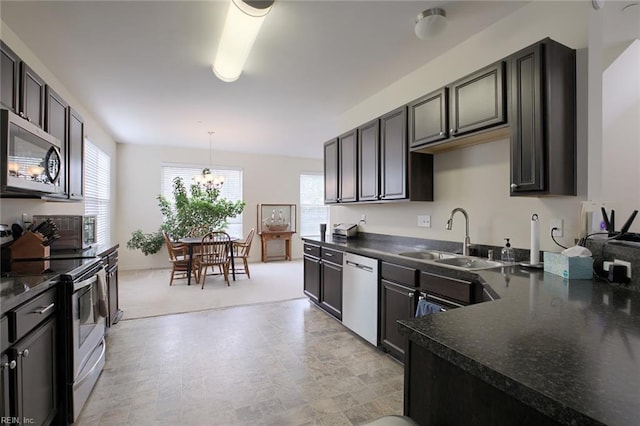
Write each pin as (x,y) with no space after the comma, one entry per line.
(467,242)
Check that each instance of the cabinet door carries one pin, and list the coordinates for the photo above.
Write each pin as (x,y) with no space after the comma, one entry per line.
(398,302)
(348,172)
(5,367)
(478,101)
(9,78)
(31,95)
(428,119)
(369,162)
(331,171)
(543,120)
(112,286)
(75,156)
(527,139)
(36,375)
(312,278)
(331,290)
(393,154)
(57,124)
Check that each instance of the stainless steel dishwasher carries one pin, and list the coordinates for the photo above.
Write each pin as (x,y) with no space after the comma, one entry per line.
(360,296)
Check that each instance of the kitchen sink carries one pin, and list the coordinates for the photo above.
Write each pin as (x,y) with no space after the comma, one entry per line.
(428,254)
(443,258)
(468,263)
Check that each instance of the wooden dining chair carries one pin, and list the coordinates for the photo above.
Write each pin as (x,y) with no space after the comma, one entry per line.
(214,252)
(179,258)
(241,251)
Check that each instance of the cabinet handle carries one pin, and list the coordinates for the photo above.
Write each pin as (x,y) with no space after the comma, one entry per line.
(328,254)
(514,186)
(45,309)
(24,354)
(441,133)
(451,130)
(411,294)
(11,365)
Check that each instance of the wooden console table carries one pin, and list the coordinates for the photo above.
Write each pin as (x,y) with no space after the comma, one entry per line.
(282,236)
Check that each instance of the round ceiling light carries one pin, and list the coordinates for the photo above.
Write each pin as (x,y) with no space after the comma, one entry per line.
(430,23)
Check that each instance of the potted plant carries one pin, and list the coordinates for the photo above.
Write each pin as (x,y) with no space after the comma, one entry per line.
(202,207)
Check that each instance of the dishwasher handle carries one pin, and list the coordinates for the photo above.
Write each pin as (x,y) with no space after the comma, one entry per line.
(359,266)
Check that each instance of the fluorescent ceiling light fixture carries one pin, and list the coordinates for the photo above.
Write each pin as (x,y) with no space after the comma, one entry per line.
(244,19)
(430,23)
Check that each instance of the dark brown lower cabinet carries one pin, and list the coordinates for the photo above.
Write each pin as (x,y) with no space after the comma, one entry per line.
(5,367)
(440,393)
(35,377)
(331,288)
(398,303)
(110,260)
(312,278)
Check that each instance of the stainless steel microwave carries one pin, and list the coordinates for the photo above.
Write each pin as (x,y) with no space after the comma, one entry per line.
(76,232)
(31,161)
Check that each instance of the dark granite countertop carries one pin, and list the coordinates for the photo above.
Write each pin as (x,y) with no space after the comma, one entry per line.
(21,281)
(569,348)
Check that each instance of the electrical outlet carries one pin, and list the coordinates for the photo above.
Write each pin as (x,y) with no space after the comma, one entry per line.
(363,218)
(424,221)
(625,263)
(556,223)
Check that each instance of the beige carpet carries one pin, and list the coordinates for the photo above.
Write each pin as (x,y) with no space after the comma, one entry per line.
(146,293)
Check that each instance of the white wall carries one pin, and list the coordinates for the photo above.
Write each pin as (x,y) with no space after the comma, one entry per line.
(621,131)
(11,209)
(266,179)
(477,178)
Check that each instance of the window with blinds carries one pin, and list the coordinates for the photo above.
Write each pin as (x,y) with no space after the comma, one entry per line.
(97,189)
(313,212)
(231,190)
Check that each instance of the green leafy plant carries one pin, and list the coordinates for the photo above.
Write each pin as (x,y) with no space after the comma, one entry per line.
(203,207)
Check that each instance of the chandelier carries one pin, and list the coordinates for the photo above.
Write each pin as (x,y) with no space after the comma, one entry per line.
(206,180)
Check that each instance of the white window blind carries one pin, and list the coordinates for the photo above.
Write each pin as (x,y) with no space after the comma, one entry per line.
(97,188)
(313,212)
(231,190)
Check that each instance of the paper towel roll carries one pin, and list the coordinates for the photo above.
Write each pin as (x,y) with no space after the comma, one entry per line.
(534,251)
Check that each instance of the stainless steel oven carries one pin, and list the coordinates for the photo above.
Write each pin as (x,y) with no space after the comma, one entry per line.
(85,325)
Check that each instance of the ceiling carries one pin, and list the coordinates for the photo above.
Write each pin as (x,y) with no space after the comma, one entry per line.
(143,68)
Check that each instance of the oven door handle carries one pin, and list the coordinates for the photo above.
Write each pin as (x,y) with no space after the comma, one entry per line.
(85,283)
(104,348)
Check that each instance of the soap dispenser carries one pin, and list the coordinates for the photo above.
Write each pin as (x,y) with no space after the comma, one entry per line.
(507,254)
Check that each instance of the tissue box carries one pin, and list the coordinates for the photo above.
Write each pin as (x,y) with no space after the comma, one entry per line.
(578,268)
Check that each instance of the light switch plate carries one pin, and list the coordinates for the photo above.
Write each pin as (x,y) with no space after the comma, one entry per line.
(424,221)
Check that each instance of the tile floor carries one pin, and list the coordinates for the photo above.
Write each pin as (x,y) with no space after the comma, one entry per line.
(284,363)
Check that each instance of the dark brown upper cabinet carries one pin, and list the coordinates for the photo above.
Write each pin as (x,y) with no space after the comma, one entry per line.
(369,161)
(478,101)
(57,124)
(395,151)
(429,118)
(331,171)
(75,156)
(543,120)
(348,164)
(32,97)
(9,78)
(403,175)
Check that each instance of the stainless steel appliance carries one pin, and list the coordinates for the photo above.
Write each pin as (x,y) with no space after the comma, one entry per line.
(360,296)
(31,161)
(345,230)
(85,327)
(76,232)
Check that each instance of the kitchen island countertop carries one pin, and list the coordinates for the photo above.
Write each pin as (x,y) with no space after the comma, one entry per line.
(568,348)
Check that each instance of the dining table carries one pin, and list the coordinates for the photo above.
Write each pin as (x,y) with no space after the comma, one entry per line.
(191,242)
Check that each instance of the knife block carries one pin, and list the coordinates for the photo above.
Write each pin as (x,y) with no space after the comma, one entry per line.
(29,246)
